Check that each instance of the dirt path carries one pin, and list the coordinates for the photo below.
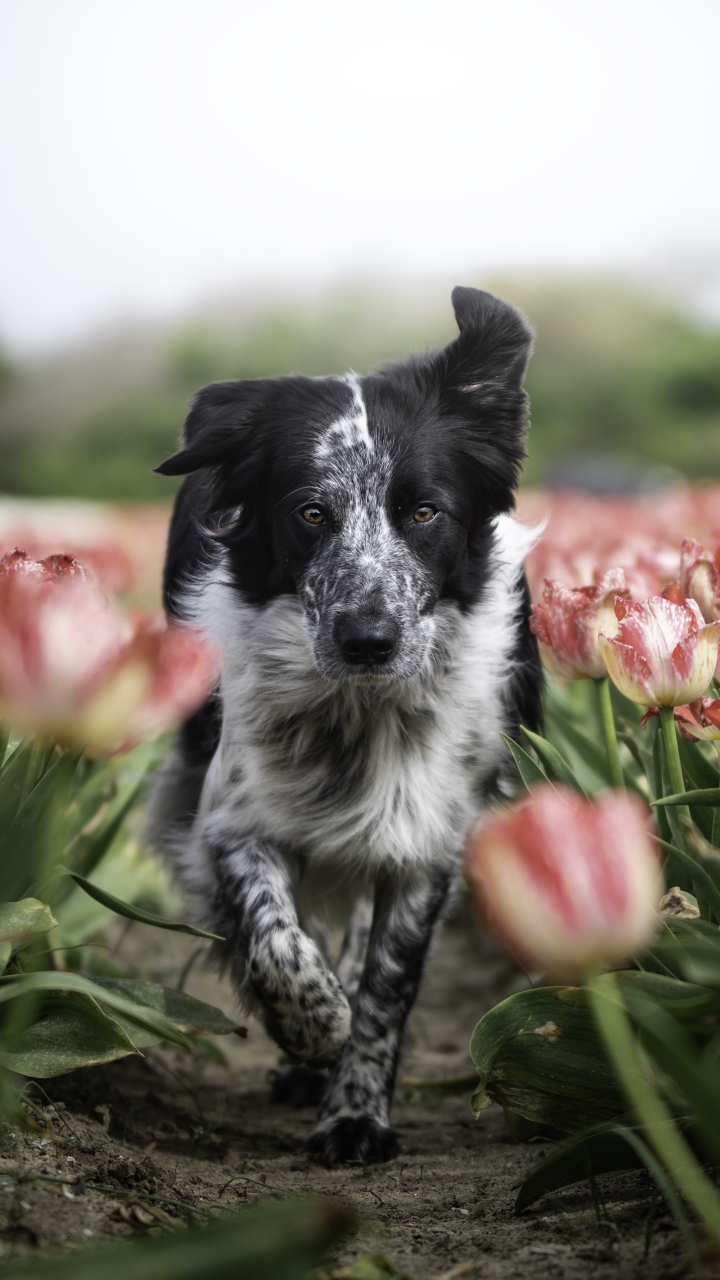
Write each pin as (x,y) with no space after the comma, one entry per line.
(183,1129)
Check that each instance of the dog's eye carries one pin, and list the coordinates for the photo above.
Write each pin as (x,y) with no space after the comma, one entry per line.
(313,515)
(425,513)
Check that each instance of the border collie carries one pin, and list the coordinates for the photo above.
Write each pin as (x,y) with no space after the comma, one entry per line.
(346,541)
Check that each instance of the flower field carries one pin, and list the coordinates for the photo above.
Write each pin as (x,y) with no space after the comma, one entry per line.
(600,876)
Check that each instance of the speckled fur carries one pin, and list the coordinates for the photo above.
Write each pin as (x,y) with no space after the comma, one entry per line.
(322,789)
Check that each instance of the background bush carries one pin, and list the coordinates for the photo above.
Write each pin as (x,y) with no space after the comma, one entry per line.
(621,380)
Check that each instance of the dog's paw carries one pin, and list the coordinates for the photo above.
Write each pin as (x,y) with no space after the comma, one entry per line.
(305,1009)
(353,1138)
(298,1085)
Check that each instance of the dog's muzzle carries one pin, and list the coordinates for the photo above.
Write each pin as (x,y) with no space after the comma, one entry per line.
(366,641)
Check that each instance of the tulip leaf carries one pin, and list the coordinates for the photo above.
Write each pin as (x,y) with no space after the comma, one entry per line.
(671,1046)
(699,870)
(191,1016)
(708,796)
(20,922)
(597,1152)
(529,771)
(152,1019)
(554,764)
(538,1053)
(136,913)
(282,1240)
(603,1150)
(590,753)
(17,777)
(27,844)
(68,1032)
(698,768)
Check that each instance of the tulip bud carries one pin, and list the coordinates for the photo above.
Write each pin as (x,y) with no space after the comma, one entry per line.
(568,884)
(568,621)
(699,578)
(75,669)
(663,654)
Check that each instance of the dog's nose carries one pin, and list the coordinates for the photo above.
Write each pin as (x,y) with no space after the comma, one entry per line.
(366,641)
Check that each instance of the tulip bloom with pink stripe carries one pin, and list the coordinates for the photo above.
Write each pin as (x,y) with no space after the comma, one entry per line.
(568,621)
(568,884)
(76,669)
(664,654)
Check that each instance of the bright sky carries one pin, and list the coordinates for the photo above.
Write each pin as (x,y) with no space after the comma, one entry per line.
(155,151)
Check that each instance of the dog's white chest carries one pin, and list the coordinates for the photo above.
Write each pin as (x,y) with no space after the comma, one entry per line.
(400,788)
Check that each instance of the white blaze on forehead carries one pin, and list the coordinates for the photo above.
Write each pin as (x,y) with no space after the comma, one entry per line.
(352,429)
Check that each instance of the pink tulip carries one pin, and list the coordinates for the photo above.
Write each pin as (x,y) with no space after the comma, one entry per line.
(663,653)
(568,621)
(700,579)
(568,884)
(75,669)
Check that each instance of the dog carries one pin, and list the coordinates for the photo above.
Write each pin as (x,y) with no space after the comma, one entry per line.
(347,543)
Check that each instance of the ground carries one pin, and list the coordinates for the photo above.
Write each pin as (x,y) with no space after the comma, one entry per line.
(191,1131)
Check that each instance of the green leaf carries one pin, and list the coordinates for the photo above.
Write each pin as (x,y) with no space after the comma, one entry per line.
(602,1150)
(17,773)
(589,753)
(281,1241)
(709,796)
(27,844)
(554,764)
(144,1015)
(703,881)
(529,771)
(68,1032)
(538,1053)
(670,1045)
(136,913)
(24,920)
(696,765)
(599,1151)
(191,1016)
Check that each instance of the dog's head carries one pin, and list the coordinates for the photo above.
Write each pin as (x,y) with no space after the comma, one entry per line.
(369,498)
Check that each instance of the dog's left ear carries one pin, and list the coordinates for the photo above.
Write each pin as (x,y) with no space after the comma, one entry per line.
(480,378)
(494,344)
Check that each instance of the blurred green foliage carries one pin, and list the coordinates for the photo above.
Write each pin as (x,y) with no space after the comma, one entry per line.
(615,371)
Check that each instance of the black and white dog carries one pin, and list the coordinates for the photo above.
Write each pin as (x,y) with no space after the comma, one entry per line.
(347,543)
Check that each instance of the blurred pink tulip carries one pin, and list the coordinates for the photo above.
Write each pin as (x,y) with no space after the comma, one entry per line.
(700,579)
(568,621)
(568,884)
(663,653)
(75,669)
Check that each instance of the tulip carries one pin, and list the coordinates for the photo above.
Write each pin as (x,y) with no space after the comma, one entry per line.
(663,653)
(77,670)
(568,884)
(568,621)
(700,579)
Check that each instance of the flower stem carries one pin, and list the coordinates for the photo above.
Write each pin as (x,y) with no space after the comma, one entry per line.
(651,1111)
(672,755)
(608,726)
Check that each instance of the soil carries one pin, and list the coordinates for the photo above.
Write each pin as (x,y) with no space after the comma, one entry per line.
(204,1136)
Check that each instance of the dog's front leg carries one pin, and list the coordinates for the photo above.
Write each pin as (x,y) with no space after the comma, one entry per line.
(273,961)
(353,1122)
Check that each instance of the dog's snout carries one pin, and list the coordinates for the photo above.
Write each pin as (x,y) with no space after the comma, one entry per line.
(366,641)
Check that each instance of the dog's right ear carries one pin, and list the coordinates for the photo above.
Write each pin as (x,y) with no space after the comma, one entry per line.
(216,430)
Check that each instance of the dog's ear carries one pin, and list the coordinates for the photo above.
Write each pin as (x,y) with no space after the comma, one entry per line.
(494,343)
(479,378)
(217,430)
